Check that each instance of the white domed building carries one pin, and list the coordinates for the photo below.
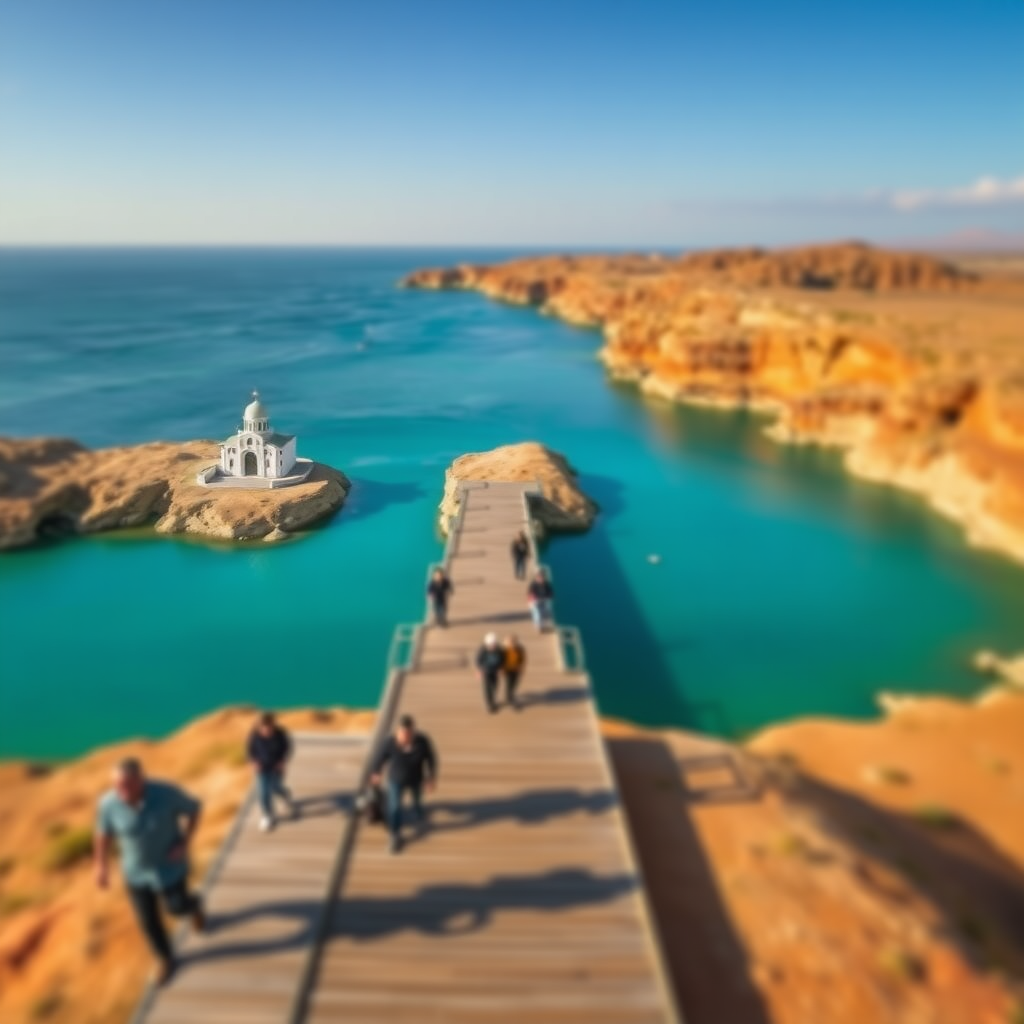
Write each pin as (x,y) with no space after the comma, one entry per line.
(257,456)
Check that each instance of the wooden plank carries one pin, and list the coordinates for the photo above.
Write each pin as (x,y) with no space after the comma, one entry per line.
(266,898)
(521,895)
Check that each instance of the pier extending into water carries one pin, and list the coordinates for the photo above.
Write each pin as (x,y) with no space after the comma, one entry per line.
(521,900)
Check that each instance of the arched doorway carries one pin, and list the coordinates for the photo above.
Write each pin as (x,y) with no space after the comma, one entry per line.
(250,467)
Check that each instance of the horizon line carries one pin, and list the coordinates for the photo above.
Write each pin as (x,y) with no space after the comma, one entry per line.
(983,246)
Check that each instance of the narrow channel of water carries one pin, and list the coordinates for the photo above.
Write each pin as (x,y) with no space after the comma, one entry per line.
(782,588)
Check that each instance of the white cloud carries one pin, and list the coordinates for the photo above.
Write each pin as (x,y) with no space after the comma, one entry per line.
(983,192)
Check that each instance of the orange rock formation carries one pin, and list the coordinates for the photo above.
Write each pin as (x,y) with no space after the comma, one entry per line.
(561,505)
(912,364)
(53,485)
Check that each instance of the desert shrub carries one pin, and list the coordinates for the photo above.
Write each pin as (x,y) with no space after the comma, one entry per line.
(901,963)
(232,754)
(790,844)
(935,815)
(46,1006)
(68,848)
(12,902)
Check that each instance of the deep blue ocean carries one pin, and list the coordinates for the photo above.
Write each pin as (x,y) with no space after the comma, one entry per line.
(784,587)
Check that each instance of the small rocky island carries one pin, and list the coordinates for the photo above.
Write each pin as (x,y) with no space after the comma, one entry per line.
(54,486)
(561,506)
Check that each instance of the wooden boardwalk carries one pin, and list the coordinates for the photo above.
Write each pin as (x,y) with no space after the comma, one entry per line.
(265,898)
(521,900)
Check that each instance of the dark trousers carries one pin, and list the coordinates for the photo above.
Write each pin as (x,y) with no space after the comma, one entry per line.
(511,682)
(519,563)
(270,784)
(490,689)
(441,612)
(146,904)
(395,791)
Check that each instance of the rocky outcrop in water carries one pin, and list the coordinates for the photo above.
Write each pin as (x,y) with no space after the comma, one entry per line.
(560,507)
(908,362)
(54,486)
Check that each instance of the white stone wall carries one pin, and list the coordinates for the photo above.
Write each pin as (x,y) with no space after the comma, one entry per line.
(271,462)
(288,458)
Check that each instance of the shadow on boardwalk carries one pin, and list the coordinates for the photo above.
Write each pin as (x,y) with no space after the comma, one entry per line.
(438,910)
(530,808)
(706,956)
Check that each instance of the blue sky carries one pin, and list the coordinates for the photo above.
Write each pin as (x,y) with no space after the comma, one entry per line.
(557,123)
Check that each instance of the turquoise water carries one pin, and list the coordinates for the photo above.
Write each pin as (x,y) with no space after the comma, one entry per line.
(784,587)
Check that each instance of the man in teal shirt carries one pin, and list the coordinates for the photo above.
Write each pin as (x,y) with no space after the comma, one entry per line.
(152,823)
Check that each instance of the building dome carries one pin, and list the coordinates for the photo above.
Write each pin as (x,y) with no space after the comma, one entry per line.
(255,410)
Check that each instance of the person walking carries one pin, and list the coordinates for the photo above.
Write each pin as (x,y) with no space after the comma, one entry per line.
(515,662)
(520,555)
(153,823)
(490,660)
(439,589)
(412,765)
(540,594)
(269,748)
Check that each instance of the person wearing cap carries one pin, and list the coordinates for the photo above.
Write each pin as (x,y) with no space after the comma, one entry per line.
(515,662)
(490,660)
(152,823)
(412,765)
(540,594)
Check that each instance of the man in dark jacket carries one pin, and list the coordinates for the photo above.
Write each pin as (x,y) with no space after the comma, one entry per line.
(520,555)
(490,660)
(269,748)
(412,765)
(439,589)
(540,594)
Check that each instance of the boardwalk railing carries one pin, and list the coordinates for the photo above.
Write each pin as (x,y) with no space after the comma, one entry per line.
(570,650)
(338,972)
(404,648)
(381,730)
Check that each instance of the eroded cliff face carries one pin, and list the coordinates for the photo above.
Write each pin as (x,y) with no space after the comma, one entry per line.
(54,486)
(912,364)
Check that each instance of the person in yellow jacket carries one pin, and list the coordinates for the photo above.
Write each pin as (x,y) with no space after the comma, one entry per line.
(515,662)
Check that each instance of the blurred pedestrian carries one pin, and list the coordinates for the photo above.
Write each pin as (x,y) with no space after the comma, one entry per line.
(520,555)
(412,765)
(490,661)
(540,594)
(439,589)
(153,823)
(269,748)
(515,662)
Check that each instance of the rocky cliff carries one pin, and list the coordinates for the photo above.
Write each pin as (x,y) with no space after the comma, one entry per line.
(912,364)
(52,486)
(561,506)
